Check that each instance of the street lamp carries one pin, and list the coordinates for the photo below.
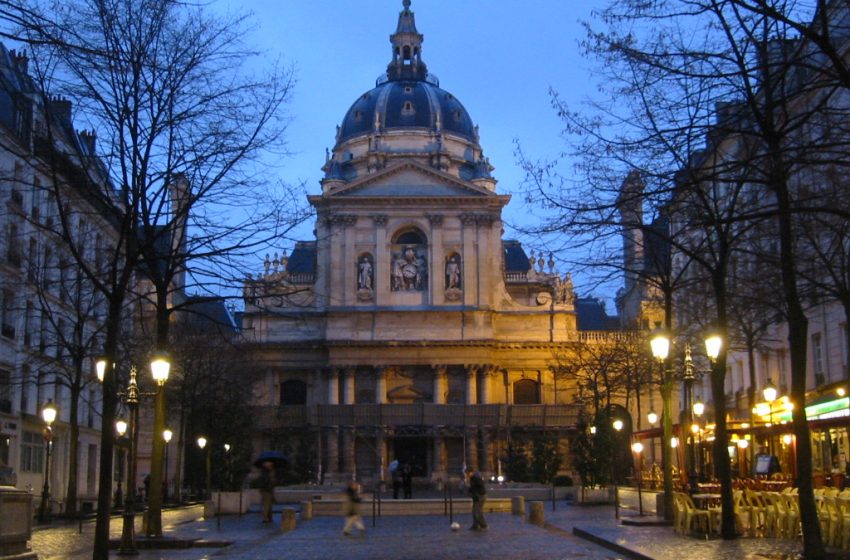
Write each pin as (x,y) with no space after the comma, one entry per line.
(617,425)
(652,417)
(202,443)
(120,429)
(166,437)
(770,393)
(660,346)
(160,368)
(48,414)
(637,447)
(131,398)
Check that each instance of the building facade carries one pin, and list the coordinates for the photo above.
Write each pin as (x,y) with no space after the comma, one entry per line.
(50,313)
(408,329)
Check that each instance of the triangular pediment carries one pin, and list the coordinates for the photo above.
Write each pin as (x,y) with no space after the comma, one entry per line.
(410,179)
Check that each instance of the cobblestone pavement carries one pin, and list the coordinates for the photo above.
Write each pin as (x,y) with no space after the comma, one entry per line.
(411,538)
(423,537)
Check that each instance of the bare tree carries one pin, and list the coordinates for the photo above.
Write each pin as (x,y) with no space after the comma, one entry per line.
(186,131)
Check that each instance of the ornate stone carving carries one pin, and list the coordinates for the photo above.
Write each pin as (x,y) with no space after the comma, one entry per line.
(380,219)
(435,219)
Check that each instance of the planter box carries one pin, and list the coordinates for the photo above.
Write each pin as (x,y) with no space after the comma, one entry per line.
(15,522)
(594,495)
(229,502)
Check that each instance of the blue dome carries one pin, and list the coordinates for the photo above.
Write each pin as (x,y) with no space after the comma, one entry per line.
(407,105)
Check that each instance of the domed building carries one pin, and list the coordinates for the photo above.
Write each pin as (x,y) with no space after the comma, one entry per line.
(408,329)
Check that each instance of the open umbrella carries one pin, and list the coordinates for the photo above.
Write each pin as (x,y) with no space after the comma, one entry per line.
(272,456)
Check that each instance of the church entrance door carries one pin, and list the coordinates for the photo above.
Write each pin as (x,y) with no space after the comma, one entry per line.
(414,451)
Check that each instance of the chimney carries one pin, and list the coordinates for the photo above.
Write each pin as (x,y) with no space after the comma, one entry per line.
(88,138)
(20,61)
(61,109)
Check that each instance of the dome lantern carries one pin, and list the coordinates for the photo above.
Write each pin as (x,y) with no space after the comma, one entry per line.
(407,49)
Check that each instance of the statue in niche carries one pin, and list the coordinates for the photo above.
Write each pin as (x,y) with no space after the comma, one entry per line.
(453,272)
(408,270)
(365,273)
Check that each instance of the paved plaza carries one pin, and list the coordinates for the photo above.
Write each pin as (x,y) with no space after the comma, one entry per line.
(422,537)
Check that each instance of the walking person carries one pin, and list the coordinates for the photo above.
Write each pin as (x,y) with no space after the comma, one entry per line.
(352,509)
(478,493)
(266,484)
(407,480)
(395,471)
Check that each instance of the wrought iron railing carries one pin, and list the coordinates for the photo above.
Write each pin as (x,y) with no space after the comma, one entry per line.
(418,414)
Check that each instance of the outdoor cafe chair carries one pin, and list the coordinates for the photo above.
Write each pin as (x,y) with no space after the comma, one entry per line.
(694,519)
(792,515)
(758,511)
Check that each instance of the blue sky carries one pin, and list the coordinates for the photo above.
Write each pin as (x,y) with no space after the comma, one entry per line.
(498,57)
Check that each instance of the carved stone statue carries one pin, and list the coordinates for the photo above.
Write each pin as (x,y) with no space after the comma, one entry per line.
(365,273)
(452,273)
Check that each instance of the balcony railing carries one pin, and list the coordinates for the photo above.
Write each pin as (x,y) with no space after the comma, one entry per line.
(419,414)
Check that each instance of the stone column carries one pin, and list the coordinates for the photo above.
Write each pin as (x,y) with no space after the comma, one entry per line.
(333,386)
(441,384)
(381,385)
(486,377)
(332,446)
(472,448)
(439,461)
(486,452)
(471,386)
(348,454)
(348,386)
(333,433)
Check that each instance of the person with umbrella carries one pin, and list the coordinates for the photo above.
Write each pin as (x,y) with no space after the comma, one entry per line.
(266,462)
(395,472)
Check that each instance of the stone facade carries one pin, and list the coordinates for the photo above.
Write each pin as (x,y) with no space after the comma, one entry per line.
(409,329)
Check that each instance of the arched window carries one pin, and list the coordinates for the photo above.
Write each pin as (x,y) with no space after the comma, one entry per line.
(525,392)
(409,262)
(293,391)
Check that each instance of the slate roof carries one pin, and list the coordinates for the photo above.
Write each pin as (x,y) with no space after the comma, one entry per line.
(591,315)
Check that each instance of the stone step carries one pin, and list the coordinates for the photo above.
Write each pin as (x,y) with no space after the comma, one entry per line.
(411,507)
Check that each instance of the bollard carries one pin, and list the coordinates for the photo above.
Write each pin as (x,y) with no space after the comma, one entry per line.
(535,515)
(306,511)
(518,505)
(287,520)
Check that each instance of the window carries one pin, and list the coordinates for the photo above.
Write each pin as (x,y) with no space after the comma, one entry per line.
(25,388)
(32,452)
(525,392)
(13,254)
(5,391)
(817,354)
(293,391)
(32,261)
(7,319)
(28,314)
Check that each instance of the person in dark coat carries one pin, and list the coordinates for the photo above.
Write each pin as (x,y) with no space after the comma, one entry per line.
(352,509)
(266,484)
(478,493)
(407,480)
(395,471)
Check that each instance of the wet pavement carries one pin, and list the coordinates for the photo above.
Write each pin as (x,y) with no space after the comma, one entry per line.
(425,537)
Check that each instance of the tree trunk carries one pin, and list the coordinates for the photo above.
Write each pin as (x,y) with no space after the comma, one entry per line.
(73,450)
(813,547)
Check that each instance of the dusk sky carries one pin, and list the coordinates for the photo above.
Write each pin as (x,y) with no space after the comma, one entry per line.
(498,57)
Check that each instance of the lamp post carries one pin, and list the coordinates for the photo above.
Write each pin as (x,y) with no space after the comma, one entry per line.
(637,447)
(160,368)
(48,414)
(698,410)
(660,345)
(131,398)
(120,429)
(202,444)
(617,425)
(166,437)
